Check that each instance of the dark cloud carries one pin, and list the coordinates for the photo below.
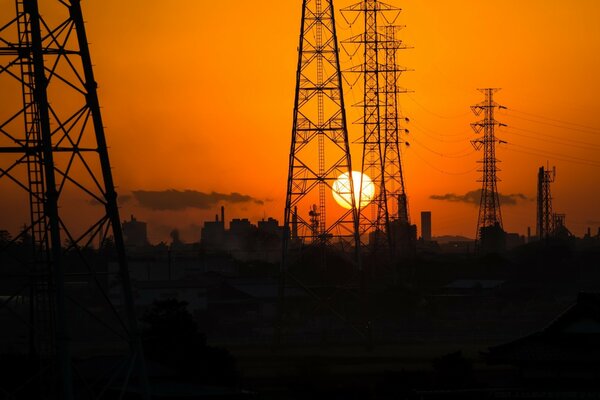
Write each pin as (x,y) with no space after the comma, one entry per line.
(474,197)
(178,200)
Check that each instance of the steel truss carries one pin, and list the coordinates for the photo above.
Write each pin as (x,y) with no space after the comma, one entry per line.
(65,279)
(319,155)
(380,137)
(490,216)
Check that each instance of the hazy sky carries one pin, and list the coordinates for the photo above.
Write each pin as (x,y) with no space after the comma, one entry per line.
(197,96)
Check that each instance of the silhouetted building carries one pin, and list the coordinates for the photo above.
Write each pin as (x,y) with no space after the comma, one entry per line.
(426,225)
(562,356)
(270,226)
(514,240)
(213,233)
(135,232)
(243,240)
(240,234)
(404,236)
(560,228)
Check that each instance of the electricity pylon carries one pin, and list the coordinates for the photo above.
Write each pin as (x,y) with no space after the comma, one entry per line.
(54,163)
(490,234)
(374,219)
(397,200)
(319,155)
(545,216)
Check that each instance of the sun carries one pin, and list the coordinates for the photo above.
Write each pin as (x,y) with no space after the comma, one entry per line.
(341,189)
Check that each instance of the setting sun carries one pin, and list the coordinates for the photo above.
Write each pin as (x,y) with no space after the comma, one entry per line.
(341,189)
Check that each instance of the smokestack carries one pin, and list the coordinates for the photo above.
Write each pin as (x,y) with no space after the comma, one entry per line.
(528,234)
(426,225)
(223,215)
(589,232)
(217,217)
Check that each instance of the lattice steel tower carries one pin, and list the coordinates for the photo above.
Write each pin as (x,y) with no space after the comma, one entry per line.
(57,273)
(375,218)
(392,160)
(490,217)
(320,151)
(545,216)
(319,154)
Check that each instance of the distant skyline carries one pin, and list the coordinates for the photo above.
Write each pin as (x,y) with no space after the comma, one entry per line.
(197,98)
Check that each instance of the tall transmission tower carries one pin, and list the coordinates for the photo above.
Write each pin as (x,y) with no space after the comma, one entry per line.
(374,219)
(319,154)
(400,228)
(490,234)
(545,216)
(394,177)
(54,163)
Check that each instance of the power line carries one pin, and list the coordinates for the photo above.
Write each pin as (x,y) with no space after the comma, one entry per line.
(432,112)
(556,120)
(554,139)
(588,131)
(432,134)
(459,154)
(566,156)
(545,154)
(440,170)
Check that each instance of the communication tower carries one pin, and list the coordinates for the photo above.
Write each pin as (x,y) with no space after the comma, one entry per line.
(545,216)
(65,279)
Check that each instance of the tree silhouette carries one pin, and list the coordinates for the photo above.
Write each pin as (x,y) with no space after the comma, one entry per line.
(171,337)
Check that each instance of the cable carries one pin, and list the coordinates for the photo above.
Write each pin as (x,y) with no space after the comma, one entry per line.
(442,171)
(551,155)
(554,139)
(430,133)
(459,154)
(432,112)
(555,120)
(557,126)
(565,156)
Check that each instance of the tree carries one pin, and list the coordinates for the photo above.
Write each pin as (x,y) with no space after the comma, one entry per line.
(171,337)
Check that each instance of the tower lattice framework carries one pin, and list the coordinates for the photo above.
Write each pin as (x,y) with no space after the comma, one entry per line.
(65,279)
(489,208)
(320,150)
(374,219)
(319,155)
(545,217)
(392,161)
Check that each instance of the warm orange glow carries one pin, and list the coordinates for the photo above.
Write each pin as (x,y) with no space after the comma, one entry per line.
(199,95)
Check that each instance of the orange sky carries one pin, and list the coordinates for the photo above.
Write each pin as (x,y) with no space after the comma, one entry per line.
(198,95)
